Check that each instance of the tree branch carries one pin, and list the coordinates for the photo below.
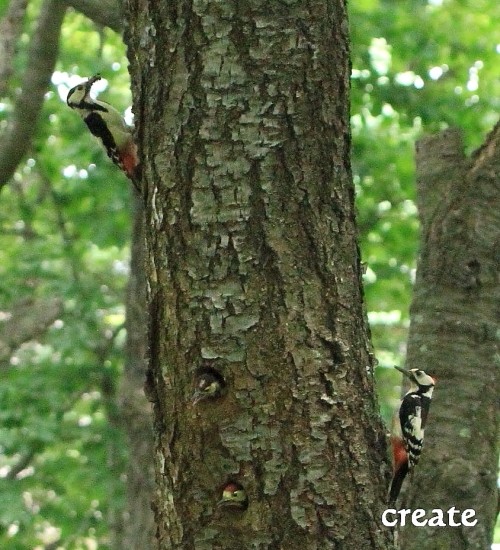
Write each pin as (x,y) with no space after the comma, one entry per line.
(10,29)
(41,61)
(107,13)
(21,464)
(488,151)
(30,318)
(42,57)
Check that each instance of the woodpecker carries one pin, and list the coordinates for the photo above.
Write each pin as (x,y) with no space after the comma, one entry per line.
(234,496)
(106,123)
(209,385)
(408,427)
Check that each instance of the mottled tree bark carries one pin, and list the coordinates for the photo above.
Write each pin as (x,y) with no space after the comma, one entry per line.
(454,336)
(253,271)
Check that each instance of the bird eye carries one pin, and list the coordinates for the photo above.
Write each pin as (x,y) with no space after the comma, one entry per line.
(80,88)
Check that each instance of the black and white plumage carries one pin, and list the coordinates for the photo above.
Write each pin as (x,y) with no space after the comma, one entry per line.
(408,428)
(106,124)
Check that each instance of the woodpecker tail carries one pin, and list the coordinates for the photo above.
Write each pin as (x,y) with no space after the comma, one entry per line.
(401,468)
(397,482)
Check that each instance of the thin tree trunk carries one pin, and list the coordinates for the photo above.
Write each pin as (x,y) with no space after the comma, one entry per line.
(137,527)
(254,277)
(454,336)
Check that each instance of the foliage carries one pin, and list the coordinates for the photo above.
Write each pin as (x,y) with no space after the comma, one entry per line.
(418,67)
(65,225)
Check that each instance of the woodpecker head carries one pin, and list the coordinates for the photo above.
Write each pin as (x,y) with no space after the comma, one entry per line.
(209,385)
(234,496)
(420,381)
(79,96)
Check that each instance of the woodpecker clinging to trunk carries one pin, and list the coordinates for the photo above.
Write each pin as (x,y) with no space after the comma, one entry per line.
(106,123)
(408,427)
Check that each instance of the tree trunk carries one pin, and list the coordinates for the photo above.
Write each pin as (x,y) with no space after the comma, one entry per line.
(454,335)
(137,528)
(254,278)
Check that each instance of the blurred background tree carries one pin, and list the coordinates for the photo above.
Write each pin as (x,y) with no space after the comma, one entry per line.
(66,218)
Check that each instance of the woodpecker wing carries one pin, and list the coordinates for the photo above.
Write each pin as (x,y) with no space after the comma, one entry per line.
(118,143)
(98,127)
(426,404)
(410,415)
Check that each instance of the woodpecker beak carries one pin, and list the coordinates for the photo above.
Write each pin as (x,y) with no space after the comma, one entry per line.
(197,396)
(405,372)
(75,98)
(91,81)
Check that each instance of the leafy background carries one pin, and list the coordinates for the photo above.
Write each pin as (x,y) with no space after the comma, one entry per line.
(65,219)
